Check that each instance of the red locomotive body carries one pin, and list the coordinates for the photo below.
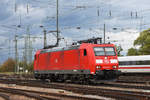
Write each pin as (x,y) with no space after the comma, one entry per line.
(85,61)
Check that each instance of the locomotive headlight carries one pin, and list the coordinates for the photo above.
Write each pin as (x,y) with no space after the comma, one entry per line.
(98,67)
(113,60)
(99,61)
(114,67)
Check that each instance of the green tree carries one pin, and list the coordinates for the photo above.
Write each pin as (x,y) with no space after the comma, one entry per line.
(132,52)
(144,42)
(8,65)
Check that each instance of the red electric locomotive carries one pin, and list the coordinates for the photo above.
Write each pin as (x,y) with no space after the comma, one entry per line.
(81,62)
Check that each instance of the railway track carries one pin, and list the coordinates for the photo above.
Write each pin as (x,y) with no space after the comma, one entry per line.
(13,93)
(4,96)
(127,78)
(116,90)
(36,95)
(139,79)
(38,83)
(110,90)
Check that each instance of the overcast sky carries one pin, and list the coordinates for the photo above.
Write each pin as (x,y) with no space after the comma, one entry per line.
(124,20)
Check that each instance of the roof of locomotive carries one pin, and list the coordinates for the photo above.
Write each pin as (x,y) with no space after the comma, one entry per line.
(60,48)
(97,44)
(83,45)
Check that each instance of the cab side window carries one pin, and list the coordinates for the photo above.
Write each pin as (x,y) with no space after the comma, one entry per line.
(85,52)
(34,57)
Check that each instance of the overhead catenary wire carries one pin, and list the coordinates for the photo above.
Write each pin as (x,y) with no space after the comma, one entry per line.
(79,7)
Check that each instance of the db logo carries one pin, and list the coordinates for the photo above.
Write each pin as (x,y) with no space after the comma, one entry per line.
(106,61)
(56,60)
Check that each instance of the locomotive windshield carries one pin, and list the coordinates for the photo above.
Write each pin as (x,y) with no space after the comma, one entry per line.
(104,51)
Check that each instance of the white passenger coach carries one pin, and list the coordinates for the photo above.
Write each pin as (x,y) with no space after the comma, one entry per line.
(134,64)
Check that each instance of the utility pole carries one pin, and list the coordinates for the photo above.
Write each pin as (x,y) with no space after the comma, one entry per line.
(16,54)
(28,42)
(131,14)
(15,6)
(136,14)
(30,49)
(110,13)
(9,48)
(45,43)
(25,50)
(26,38)
(104,32)
(57,43)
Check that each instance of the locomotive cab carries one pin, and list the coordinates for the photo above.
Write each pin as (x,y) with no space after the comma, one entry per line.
(106,58)
(101,60)
(106,61)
